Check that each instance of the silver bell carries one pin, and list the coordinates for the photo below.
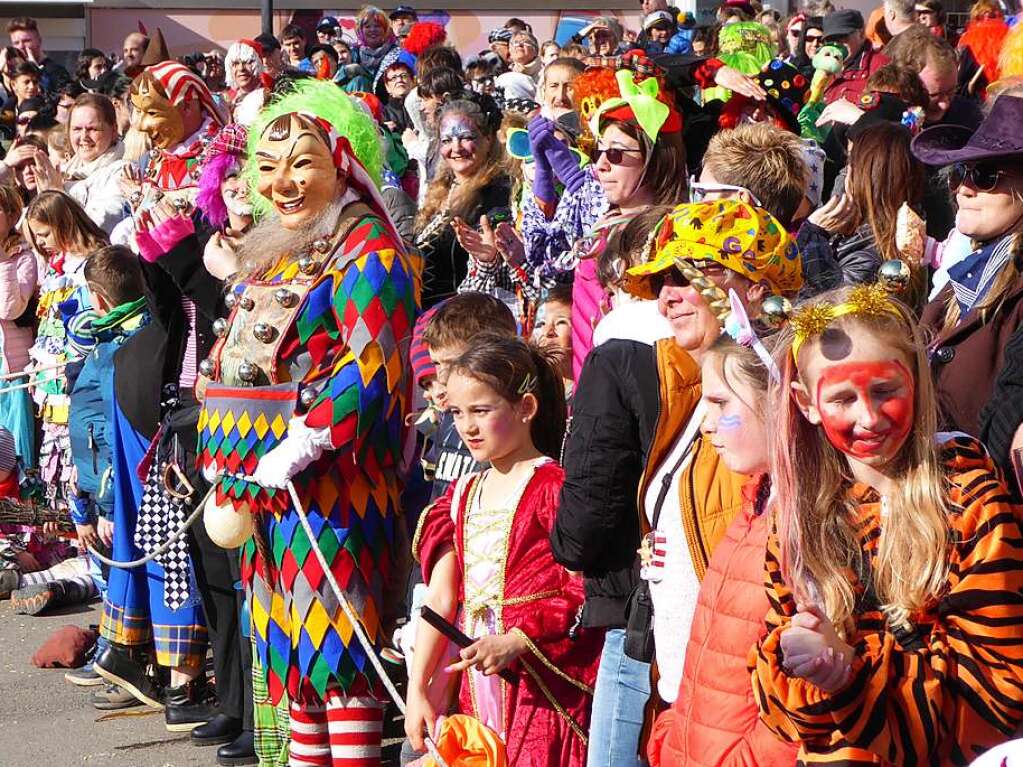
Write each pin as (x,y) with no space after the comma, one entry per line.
(308,396)
(231,300)
(307,265)
(285,297)
(246,303)
(207,368)
(248,371)
(220,327)
(265,332)
(321,246)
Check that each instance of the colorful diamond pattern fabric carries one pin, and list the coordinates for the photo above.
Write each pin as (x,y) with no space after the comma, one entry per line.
(348,341)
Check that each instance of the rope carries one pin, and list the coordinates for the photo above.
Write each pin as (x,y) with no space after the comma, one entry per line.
(29,385)
(357,628)
(162,548)
(32,371)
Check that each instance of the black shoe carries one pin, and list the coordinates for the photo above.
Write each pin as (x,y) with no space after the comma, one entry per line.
(241,752)
(187,706)
(118,665)
(220,729)
(113,698)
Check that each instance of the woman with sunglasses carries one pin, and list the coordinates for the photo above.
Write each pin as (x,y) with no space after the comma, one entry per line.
(980,310)
(805,45)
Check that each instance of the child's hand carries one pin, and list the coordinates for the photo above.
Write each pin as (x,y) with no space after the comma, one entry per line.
(50,529)
(491,653)
(420,718)
(479,245)
(812,650)
(105,531)
(47,177)
(87,535)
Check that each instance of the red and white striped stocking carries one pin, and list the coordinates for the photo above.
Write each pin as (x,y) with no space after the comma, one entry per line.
(356,728)
(310,742)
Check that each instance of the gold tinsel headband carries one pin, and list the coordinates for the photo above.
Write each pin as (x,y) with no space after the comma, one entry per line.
(864,300)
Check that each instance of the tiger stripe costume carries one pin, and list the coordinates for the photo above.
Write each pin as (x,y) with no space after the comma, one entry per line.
(956,696)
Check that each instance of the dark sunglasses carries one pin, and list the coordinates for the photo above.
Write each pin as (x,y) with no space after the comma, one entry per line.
(981,176)
(614,154)
(670,276)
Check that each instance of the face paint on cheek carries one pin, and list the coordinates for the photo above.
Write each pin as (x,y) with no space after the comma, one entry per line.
(729,423)
(889,421)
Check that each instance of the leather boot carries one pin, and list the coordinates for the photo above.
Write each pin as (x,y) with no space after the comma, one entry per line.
(126,667)
(220,729)
(241,752)
(187,706)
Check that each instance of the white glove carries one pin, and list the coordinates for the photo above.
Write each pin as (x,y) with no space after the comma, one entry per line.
(300,448)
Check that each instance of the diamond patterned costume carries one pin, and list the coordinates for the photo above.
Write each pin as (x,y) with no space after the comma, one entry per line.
(341,350)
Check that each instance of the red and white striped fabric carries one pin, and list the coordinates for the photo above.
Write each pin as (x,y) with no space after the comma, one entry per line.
(346,732)
(181,84)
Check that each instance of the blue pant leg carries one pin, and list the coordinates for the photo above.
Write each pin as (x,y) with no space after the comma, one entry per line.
(620,695)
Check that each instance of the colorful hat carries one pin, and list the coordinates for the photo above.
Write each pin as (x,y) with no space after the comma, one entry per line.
(642,103)
(786,90)
(730,233)
(182,84)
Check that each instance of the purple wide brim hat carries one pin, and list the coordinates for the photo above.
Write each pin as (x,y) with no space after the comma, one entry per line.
(1000,135)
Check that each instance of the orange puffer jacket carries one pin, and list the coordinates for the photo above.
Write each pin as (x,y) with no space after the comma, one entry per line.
(714,722)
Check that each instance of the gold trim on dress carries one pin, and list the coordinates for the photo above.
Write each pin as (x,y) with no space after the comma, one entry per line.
(550,666)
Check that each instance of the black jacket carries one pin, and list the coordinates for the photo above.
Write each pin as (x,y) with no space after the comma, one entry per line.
(153,356)
(614,415)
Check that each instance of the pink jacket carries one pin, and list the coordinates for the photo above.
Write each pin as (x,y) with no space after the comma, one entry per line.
(714,722)
(18,282)
(587,298)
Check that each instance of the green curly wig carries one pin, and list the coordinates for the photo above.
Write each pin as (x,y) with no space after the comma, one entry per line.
(327,101)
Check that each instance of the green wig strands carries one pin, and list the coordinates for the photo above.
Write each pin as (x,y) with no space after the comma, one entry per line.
(327,101)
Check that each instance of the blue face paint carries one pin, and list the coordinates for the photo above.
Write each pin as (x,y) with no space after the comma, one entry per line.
(729,423)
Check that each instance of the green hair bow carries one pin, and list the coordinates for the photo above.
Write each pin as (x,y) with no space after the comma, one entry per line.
(649,111)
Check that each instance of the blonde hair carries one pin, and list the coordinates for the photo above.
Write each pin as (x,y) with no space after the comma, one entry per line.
(764,159)
(466,195)
(816,518)
(12,204)
(75,231)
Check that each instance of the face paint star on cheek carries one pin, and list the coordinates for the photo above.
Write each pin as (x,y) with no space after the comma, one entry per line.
(866,408)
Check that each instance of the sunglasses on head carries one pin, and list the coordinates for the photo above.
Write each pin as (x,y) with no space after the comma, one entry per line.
(615,155)
(983,177)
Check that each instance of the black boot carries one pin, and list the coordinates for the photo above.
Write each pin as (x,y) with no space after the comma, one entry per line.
(241,752)
(125,667)
(33,599)
(220,729)
(187,706)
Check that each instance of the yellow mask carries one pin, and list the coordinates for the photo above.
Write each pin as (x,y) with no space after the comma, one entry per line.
(158,118)
(296,170)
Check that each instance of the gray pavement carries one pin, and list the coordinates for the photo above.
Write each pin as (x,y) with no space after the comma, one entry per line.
(46,722)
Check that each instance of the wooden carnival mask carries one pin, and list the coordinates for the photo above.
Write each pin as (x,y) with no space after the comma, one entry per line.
(158,117)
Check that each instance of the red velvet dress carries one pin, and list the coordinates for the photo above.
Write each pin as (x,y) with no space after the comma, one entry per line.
(546,713)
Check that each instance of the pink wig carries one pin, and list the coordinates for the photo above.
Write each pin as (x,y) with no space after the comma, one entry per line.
(209,200)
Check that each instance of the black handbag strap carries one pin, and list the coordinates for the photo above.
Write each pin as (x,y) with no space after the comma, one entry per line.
(666,480)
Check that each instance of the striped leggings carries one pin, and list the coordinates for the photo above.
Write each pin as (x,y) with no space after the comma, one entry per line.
(343,732)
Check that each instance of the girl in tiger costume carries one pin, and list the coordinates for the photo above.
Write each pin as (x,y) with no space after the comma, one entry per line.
(895,565)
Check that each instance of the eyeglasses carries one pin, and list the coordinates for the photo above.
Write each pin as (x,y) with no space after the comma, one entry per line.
(399,76)
(814,38)
(615,155)
(700,191)
(981,176)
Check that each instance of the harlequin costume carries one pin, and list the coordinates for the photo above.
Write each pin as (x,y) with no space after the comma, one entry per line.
(509,582)
(311,360)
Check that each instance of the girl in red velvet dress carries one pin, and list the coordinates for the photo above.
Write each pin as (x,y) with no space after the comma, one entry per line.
(486,556)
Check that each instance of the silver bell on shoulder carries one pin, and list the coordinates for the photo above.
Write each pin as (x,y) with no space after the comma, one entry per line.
(207,368)
(248,371)
(265,332)
(308,396)
(220,327)
(231,300)
(307,265)
(285,297)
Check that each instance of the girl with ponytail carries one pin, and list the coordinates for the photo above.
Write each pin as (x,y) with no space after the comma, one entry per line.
(486,557)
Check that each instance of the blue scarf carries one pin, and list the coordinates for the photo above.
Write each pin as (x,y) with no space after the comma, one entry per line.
(972,277)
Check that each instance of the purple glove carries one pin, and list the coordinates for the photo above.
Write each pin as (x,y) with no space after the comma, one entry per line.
(543,174)
(565,164)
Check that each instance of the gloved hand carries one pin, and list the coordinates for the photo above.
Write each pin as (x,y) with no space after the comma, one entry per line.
(558,157)
(300,448)
(543,174)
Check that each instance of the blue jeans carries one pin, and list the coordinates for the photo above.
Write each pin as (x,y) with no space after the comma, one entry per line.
(621,693)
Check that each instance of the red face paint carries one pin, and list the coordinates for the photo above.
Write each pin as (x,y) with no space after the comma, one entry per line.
(868,409)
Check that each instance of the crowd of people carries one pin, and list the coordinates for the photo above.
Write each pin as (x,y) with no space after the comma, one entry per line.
(652,398)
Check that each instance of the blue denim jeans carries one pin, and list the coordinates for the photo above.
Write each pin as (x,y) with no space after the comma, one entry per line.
(621,693)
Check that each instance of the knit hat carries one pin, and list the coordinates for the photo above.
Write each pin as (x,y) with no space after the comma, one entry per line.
(729,233)
(419,354)
(8,453)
